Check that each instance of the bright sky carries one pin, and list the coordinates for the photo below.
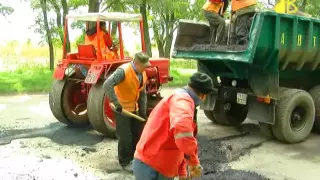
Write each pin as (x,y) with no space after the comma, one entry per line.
(17,26)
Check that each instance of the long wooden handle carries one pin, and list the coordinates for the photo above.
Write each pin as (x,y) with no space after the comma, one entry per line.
(229,29)
(125,112)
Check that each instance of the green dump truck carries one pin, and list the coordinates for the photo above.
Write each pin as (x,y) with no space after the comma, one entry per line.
(274,79)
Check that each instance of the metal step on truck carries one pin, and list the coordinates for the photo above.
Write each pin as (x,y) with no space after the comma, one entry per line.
(273,79)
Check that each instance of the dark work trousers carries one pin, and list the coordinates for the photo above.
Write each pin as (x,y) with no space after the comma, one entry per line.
(142,171)
(217,27)
(128,133)
(242,29)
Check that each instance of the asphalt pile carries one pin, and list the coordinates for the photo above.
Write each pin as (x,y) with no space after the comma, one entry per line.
(212,47)
(214,159)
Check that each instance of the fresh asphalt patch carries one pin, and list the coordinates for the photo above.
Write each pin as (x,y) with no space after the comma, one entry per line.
(215,154)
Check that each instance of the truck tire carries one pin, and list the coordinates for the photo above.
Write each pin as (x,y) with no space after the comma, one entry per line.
(101,116)
(315,94)
(266,129)
(210,116)
(234,117)
(67,103)
(294,116)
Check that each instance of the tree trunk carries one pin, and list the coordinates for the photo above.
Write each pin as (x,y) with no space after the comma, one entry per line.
(169,34)
(145,33)
(94,6)
(160,47)
(158,39)
(167,48)
(65,11)
(48,33)
(114,28)
(59,18)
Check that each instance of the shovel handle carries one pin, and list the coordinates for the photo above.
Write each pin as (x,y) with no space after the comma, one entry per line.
(125,112)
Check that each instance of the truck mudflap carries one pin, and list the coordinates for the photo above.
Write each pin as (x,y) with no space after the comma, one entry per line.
(260,108)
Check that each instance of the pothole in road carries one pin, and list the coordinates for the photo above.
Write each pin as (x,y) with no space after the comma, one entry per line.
(216,154)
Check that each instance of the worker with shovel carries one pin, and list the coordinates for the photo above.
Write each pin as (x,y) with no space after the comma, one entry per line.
(126,91)
(168,144)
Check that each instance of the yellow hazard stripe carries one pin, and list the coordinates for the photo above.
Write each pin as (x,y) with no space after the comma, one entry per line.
(183,135)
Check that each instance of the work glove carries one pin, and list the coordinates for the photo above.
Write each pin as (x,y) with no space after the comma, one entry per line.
(195,171)
(117,107)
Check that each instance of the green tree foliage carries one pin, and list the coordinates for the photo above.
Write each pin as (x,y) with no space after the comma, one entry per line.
(311,7)
(165,16)
(5,9)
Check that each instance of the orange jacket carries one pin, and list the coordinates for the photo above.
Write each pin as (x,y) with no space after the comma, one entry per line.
(169,135)
(239,4)
(105,44)
(128,90)
(213,7)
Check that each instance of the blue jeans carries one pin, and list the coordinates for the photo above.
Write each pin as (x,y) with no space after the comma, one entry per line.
(142,171)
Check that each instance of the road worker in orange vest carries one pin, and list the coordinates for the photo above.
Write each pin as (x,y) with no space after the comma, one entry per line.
(214,11)
(242,14)
(168,144)
(109,50)
(126,89)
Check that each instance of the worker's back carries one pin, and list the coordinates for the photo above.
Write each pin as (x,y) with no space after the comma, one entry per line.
(157,146)
(92,37)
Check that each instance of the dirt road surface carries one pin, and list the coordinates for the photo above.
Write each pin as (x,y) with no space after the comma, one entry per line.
(33,145)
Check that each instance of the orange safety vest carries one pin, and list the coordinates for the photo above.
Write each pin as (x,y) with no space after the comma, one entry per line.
(239,4)
(106,53)
(129,89)
(213,7)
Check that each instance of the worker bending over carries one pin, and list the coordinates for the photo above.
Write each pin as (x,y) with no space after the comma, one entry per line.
(126,89)
(242,15)
(168,144)
(109,51)
(214,11)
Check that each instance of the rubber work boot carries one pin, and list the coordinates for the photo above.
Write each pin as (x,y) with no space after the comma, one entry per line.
(128,167)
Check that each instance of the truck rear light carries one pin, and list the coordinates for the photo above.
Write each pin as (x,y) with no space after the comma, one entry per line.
(264,99)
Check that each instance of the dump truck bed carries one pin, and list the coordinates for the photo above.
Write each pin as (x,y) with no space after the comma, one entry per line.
(277,43)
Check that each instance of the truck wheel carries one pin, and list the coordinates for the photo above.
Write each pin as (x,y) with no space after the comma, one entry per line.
(210,116)
(100,114)
(68,103)
(315,94)
(266,129)
(294,116)
(230,114)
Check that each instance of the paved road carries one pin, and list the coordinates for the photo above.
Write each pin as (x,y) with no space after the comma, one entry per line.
(33,145)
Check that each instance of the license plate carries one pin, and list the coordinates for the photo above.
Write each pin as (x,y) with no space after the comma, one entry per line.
(91,77)
(94,74)
(242,98)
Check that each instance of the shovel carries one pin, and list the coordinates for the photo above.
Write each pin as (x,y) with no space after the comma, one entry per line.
(127,113)
(229,29)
